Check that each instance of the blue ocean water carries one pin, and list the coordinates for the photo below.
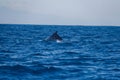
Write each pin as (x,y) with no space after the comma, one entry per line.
(86,53)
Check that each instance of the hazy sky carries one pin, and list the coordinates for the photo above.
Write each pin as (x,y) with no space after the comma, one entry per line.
(70,12)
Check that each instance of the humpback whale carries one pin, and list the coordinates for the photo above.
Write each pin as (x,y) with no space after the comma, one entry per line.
(54,37)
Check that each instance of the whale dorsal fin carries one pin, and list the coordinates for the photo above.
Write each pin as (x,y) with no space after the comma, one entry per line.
(55,36)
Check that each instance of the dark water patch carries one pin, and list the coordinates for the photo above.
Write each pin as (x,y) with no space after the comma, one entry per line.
(108,42)
(25,70)
(7,51)
(70,53)
(14,70)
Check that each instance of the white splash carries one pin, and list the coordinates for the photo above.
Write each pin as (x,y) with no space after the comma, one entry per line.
(58,41)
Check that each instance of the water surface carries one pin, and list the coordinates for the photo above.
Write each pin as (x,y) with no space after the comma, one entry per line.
(86,53)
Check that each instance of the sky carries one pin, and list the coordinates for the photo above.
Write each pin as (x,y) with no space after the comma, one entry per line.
(60,12)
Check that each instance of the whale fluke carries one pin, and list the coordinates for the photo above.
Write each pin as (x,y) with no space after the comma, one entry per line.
(54,37)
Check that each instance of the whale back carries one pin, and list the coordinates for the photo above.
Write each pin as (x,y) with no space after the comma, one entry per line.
(55,36)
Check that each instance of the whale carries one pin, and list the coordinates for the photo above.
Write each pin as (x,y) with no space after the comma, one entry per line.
(54,37)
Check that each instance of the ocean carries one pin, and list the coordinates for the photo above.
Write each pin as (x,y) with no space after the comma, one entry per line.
(86,52)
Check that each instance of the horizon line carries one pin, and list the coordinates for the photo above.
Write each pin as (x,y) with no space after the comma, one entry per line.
(56,24)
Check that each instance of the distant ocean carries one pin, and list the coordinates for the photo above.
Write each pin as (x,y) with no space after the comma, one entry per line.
(86,53)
